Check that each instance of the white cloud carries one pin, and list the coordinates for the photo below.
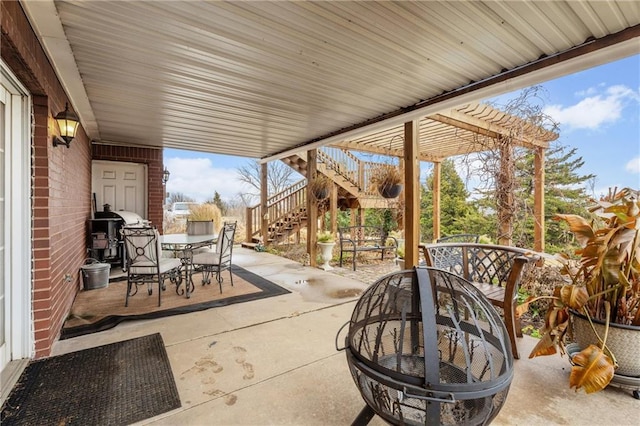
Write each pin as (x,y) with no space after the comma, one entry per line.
(633,165)
(590,90)
(199,179)
(594,111)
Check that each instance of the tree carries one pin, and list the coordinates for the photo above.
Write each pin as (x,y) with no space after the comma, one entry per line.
(455,210)
(565,193)
(384,218)
(217,200)
(495,163)
(279,176)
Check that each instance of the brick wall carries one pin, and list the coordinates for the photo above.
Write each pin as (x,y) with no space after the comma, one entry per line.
(60,182)
(153,158)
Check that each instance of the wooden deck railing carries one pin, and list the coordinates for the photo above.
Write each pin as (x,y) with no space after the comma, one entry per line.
(358,172)
(343,163)
(290,203)
(281,207)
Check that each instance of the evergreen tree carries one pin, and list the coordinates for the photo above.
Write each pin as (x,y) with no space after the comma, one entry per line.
(217,200)
(456,213)
(495,160)
(384,218)
(564,192)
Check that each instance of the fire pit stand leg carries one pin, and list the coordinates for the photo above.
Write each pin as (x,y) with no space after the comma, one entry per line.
(365,416)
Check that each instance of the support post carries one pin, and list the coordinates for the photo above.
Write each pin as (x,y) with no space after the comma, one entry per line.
(312,208)
(249,225)
(412,194)
(538,195)
(401,200)
(264,211)
(505,192)
(437,191)
(333,209)
(353,217)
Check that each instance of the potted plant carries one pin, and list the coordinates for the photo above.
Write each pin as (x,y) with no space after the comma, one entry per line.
(203,219)
(601,297)
(326,242)
(320,186)
(387,179)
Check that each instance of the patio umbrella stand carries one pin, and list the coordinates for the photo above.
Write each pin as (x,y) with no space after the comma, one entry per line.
(425,347)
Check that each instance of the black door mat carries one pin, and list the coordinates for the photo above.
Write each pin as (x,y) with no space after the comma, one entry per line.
(115,384)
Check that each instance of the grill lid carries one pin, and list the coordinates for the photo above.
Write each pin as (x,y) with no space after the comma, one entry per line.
(129,218)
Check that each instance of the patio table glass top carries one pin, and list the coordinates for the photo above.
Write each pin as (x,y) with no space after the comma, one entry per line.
(177,242)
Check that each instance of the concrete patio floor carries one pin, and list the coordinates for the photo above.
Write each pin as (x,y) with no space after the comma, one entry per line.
(274,362)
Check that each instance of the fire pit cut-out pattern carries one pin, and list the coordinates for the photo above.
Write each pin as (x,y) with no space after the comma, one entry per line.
(425,347)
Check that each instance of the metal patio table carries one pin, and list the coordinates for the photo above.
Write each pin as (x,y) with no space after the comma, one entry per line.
(182,246)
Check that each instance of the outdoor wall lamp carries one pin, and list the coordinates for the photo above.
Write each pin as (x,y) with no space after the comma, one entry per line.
(68,124)
(165,176)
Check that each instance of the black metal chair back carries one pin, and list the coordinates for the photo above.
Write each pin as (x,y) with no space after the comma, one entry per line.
(144,262)
(218,261)
(227,234)
(141,246)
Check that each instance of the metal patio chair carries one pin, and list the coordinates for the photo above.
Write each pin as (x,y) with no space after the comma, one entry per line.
(218,260)
(145,264)
(493,269)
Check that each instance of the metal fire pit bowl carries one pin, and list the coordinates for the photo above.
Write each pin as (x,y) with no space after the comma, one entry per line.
(425,347)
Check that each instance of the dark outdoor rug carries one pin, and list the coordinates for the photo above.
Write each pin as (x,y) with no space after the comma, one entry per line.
(115,384)
(101,309)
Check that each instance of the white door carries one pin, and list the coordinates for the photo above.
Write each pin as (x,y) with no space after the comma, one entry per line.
(15,243)
(121,185)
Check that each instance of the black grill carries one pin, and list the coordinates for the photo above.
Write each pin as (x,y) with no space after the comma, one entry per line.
(106,242)
(425,347)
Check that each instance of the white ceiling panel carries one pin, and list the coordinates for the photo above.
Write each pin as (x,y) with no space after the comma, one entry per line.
(258,79)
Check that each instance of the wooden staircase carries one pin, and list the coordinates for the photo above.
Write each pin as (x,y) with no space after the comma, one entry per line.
(286,211)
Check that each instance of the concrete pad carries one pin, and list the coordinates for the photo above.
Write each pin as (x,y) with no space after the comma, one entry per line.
(320,393)
(540,395)
(225,363)
(273,361)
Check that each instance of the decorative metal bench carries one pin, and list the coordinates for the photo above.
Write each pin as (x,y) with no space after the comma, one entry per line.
(356,239)
(495,270)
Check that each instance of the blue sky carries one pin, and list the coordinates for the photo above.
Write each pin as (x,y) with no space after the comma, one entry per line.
(598,111)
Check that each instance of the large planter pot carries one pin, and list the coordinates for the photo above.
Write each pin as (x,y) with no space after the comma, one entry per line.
(400,262)
(622,340)
(326,252)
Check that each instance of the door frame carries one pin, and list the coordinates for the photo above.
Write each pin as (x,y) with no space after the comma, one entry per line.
(17,225)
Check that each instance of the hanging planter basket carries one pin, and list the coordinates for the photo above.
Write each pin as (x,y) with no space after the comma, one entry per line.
(387,179)
(320,187)
(321,194)
(390,191)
